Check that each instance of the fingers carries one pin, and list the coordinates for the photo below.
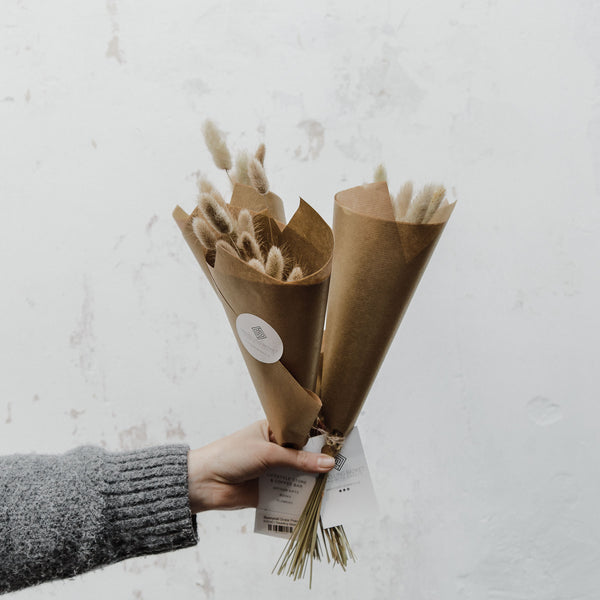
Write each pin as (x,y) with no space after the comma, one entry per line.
(299,459)
(278,456)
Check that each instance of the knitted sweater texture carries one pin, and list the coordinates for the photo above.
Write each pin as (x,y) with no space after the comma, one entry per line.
(66,514)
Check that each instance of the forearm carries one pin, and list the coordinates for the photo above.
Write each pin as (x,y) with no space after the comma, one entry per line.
(63,515)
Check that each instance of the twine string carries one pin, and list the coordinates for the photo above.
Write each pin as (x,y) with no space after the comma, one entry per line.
(334,441)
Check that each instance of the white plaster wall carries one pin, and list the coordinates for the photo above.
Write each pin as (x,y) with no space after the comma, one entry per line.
(481,429)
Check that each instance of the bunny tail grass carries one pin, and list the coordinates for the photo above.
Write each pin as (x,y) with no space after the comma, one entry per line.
(443,205)
(258,177)
(226,245)
(215,142)
(296,274)
(204,232)
(380,174)
(240,173)
(434,203)
(249,246)
(402,201)
(256,264)
(215,214)
(260,154)
(274,265)
(204,185)
(245,223)
(416,211)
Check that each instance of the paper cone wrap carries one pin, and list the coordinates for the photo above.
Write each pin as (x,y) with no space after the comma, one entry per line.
(296,310)
(377,265)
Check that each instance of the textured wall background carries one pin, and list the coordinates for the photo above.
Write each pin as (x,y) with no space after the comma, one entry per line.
(481,430)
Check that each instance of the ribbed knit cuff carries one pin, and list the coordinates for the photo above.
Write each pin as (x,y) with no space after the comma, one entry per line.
(146,501)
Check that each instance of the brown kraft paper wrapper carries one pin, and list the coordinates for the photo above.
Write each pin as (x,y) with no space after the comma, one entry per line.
(295,310)
(377,265)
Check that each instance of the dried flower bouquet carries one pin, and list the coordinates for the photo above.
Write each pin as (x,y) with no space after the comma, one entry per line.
(279,273)
(382,246)
(259,266)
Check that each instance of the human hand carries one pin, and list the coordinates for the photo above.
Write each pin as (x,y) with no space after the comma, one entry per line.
(224,474)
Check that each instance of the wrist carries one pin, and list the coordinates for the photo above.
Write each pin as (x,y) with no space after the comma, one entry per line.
(199,481)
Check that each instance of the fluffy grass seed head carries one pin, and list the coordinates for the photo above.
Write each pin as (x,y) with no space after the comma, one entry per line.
(217,215)
(256,264)
(217,196)
(249,246)
(245,223)
(443,205)
(439,192)
(402,200)
(295,274)
(240,173)
(258,177)
(416,211)
(260,154)
(204,185)
(226,245)
(204,232)
(275,264)
(215,142)
(380,174)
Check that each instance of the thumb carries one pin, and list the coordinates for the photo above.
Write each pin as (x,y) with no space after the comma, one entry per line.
(301,460)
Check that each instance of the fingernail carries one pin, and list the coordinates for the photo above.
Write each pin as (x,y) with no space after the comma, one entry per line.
(325,462)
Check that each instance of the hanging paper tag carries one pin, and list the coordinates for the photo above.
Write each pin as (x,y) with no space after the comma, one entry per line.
(282,494)
(349,494)
(348,497)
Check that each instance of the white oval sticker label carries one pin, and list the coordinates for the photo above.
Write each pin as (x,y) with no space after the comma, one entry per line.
(259,338)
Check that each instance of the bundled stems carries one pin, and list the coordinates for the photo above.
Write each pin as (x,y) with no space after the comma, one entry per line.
(304,544)
(339,545)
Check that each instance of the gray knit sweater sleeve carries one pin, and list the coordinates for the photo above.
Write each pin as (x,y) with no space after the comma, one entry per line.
(63,515)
